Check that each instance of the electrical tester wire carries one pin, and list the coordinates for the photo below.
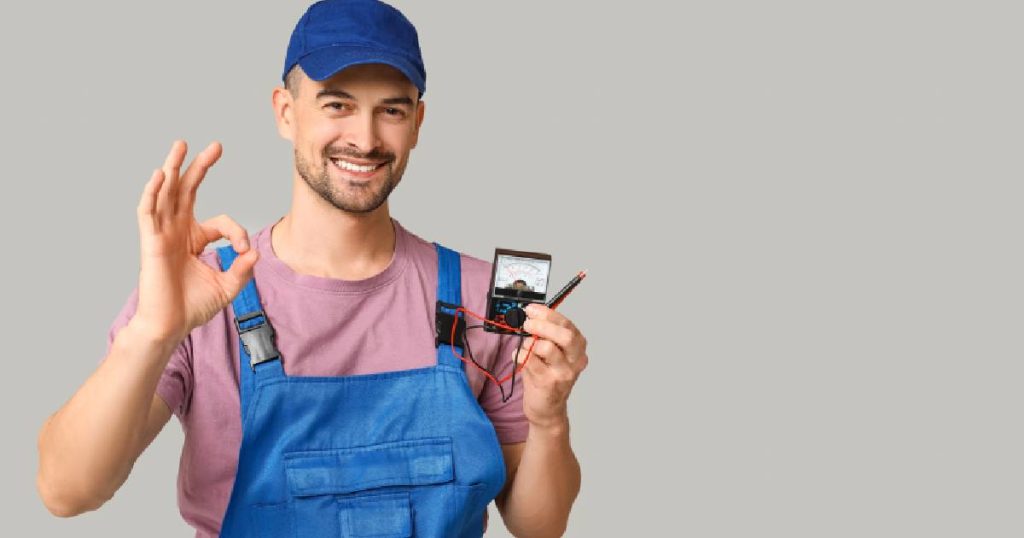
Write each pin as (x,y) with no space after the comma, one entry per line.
(486,372)
(555,302)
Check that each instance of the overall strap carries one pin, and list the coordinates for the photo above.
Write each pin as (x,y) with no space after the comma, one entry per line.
(449,290)
(258,356)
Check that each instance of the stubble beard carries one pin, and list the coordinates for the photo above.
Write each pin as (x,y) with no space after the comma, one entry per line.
(365,199)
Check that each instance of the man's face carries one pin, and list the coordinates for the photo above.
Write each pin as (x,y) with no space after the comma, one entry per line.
(353,133)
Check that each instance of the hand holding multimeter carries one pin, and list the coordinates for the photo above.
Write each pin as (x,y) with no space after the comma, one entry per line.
(519,279)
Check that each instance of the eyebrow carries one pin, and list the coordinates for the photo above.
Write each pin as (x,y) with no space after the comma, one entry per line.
(342,94)
(397,101)
(334,93)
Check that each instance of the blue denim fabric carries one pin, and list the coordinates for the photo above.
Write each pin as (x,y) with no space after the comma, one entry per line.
(406,453)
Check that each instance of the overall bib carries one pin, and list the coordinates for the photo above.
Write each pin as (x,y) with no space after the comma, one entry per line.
(394,454)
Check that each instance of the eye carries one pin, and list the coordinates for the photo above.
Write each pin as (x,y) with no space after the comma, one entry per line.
(336,106)
(394,112)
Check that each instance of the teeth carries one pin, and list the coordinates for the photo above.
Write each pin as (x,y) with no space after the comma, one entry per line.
(345,165)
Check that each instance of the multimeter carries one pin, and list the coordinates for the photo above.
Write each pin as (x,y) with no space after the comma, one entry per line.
(519,278)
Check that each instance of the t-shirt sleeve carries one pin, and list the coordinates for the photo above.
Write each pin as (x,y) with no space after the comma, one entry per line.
(175,385)
(507,417)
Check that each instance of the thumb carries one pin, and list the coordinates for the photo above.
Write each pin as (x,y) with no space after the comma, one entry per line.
(239,274)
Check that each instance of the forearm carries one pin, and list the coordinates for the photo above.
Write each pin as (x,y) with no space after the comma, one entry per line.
(545,484)
(88,447)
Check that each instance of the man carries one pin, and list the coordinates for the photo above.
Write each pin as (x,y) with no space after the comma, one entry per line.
(338,412)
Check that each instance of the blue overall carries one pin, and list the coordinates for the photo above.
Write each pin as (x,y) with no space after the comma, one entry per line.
(406,453)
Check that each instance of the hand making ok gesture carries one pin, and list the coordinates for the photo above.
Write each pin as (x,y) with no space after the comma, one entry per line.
(177,290)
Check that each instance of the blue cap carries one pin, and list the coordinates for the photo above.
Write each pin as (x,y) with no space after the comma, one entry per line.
(335,34)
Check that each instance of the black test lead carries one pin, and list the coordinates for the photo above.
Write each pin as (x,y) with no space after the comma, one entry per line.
(565,291)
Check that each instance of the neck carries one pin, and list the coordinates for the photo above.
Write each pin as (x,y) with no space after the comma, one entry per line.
(315,238)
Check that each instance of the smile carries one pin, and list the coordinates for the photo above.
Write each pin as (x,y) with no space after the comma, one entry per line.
(357,168)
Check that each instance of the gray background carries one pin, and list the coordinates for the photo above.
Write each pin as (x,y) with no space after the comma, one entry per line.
(801,221)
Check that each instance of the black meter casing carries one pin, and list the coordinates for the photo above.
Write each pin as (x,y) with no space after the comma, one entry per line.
(518,279)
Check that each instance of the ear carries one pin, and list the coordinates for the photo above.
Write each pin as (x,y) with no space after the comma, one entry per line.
(284,112)
(421,107)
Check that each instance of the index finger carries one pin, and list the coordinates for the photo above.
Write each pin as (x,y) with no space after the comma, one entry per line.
(559,334)
(541,312)
(196,171)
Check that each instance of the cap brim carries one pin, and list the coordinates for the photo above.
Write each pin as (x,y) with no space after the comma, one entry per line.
(325,62)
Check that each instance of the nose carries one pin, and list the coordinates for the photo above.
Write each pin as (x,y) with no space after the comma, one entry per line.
(361,133)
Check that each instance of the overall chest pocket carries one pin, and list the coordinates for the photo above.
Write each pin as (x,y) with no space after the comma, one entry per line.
(386,490)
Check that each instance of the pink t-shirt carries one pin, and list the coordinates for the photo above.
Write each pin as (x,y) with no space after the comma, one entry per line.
(325,327)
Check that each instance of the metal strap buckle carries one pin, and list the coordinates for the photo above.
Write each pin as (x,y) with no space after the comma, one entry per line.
(258,340)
